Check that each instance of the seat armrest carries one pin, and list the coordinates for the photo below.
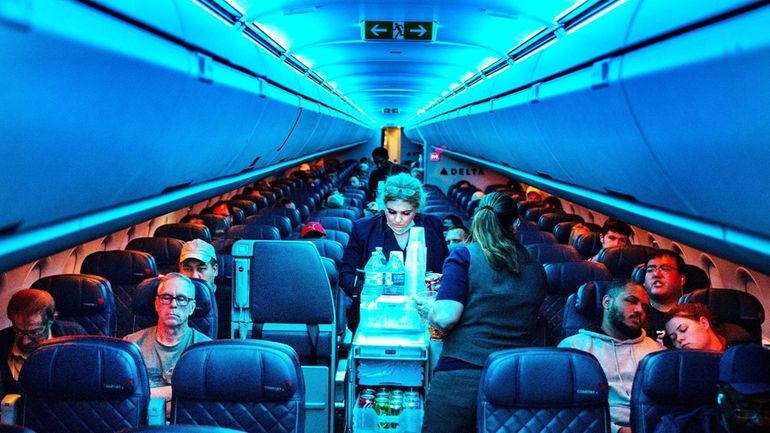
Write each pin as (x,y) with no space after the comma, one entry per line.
(9,408)
(156,411)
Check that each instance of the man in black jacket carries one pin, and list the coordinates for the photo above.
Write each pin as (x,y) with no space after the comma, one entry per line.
(32,313)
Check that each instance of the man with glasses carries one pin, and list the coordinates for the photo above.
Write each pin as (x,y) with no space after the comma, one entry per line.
(663,279)
(32,313)
(162,345)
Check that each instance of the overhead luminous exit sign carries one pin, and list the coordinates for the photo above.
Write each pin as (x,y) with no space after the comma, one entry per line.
(398,30)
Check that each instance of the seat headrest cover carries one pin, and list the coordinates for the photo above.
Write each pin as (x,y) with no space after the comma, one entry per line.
(85,368)
(76,294)
(238,370)
(165,250)
(144,298)
(589,298)
(676,377)
(565,278)
(543,377)
(120,267)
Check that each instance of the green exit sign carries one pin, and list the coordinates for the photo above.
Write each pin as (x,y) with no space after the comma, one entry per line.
(398,30)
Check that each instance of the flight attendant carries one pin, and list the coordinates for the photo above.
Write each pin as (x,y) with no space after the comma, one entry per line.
(389,229)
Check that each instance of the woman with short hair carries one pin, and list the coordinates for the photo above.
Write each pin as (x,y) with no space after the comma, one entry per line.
(692,326)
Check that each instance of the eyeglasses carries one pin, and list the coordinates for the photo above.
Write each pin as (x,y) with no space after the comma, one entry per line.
(182,301)
(34,334)
(663,268)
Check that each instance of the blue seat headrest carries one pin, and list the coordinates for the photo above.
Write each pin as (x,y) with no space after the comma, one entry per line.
(254,231)
(238,370)
(328,248)
(85,368)
(622,260)
(543,377)
(676,377)
(732,306)
(589,298)
(120,267)
(545,253)
(565,278)
(163,249)
(184,231)
(77,294)
(144,298)
(588,244)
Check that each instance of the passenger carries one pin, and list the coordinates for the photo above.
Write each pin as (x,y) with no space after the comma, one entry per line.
(491,291)
(534,194)
(552,202)
(162,345)
(390,230)
(619,345)
(692,326)
(312,230)
(451,221)
(335,200)
(251,191)
(456,236)
(199,260)
(614,234)
(32,313)
(198,221)
(383,169)
(663,278)
(285,202)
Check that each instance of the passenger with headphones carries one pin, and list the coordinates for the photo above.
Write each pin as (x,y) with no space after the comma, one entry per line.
(32,313)
(664,280)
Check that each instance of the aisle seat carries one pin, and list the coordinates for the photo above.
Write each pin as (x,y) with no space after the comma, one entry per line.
(204,318)
(85,299)
(548,221)
(336,223)
(164,250)
(732,306)
(584,309)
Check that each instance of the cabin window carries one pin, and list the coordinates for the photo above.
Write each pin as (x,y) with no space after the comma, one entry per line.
(713,272)
(35,273)
(71,266)
(652,242)
(747,282)
(677,249)
(590,217)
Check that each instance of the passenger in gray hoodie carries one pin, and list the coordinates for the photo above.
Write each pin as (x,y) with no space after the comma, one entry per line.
(619,345)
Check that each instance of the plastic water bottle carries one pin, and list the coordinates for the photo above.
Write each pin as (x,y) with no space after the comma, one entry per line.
(395,275)
(373,273)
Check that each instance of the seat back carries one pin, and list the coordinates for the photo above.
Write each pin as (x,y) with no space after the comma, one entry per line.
(338,236)
(672,381)
(329,248)
(732,306)
(547,253)
(344,213)
(254,231)
(562,280)
(522,225)
(184,232)
(8,428)
(84,384)
(217,224)
(85,299)
(247,206)
(179,428)
(282,223)
(124,270)
(588,244)
(548,221)
(621,261)
(583,309)
(535,237)
(519,392)
(165,251)
(298,311)
(292,214)
(204,318)
(563,230)
(248,385)
(337,223)
(533,213)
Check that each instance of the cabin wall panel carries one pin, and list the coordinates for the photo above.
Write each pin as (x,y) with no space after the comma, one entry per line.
(701,103)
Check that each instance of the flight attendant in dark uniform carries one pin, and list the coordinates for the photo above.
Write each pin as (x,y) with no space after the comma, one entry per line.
(389,229)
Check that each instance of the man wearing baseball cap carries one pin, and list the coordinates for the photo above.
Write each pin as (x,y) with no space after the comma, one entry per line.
(312,230)
(744,389)
(199,260)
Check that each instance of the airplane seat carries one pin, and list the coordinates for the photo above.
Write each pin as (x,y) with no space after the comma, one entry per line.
(732,306)
(339,298)
(547,253)
(248,207)
(268,194)
(329,248)
(267,306)
(535,237)
(85,299)
(583,308)
(353,201)
(344,213)
(84,384)
(217,224)
(673,382)
(523,225)
(9,428)
(695,277)
(588,244)
(292,214)
(281,222)
(563,230)
(526,204)
(621,261)
(434,208)
(353,190)
(165,251)
(183,231)
(548,221)
(247,385)
(178,428)
(562,280)
(534,213)
(470,209)
(459,193)
(336,223)
(124,270)
(258,202)
(203,319)
(253,231)
(519,391)
(341,237)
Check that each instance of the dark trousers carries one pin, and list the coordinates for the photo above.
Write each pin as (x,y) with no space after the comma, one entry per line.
(450,406)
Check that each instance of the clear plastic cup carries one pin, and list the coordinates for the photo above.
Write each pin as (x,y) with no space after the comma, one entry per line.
(423,301)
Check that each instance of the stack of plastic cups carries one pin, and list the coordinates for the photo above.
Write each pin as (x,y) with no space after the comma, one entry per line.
(415,261)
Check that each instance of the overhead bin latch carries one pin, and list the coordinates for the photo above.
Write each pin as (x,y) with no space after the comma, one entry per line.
(534,93)
(600,74)
(205,73)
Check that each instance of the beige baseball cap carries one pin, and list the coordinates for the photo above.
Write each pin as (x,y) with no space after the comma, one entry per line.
(198,249)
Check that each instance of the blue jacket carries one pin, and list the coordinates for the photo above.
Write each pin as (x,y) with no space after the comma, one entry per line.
(371,232)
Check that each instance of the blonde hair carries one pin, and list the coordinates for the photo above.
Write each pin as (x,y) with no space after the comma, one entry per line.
(403,186)
(492,230)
